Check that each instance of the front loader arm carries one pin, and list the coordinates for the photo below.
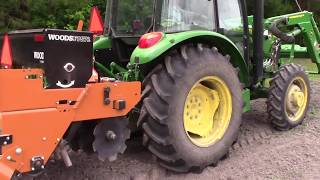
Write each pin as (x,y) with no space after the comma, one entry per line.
(304,22)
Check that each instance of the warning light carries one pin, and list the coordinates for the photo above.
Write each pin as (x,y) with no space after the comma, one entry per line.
(95,24)
(6,56)
(150,39)
(39,38)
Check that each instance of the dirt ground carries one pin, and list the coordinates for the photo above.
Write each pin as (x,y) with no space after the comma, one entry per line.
(261,153)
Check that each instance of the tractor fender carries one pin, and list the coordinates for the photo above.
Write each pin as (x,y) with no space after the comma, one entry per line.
(102,42)
(225,46)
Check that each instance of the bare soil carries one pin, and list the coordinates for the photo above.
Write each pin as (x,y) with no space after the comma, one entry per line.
(260,153)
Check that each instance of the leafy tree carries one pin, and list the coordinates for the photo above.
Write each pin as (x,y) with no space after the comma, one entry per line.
(280,7)
(62,14)
(274,7)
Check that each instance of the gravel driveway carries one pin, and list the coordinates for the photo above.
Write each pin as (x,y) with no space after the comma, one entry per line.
(261,153)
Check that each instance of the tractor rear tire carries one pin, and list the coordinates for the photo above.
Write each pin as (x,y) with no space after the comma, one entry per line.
(162,115)
(289,97)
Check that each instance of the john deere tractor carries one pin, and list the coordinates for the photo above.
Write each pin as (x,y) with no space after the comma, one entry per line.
(201,62)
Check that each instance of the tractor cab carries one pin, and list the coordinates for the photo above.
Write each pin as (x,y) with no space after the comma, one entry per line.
(126,21)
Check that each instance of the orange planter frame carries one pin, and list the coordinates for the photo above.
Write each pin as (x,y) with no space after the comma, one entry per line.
(37,118)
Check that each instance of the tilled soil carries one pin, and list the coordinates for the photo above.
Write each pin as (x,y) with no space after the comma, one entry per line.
(260,153)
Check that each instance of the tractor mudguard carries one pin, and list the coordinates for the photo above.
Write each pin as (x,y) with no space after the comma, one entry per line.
(102,42)
(33,120)
(170,41)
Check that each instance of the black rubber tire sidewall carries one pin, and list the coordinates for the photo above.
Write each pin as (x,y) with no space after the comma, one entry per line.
(306,80)
(179,139)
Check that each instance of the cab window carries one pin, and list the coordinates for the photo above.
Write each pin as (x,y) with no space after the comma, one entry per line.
(231,21)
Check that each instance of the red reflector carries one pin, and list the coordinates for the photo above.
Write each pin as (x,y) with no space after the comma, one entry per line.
(150,39)
(6,56)
(39,38)
(80,25)
(96,25)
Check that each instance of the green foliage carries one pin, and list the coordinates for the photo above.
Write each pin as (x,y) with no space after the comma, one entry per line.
(65,14)
(315,8)
(280,7)
(61,14)
(274,7)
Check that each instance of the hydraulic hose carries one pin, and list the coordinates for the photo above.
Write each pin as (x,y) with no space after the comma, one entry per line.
(104,70)
(274,29)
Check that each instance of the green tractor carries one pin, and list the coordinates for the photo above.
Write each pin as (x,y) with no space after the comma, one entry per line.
(201,62)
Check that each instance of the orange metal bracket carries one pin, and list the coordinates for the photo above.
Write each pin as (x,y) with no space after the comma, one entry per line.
(37,118)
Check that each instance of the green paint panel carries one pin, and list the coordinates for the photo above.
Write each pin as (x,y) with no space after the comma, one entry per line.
(169,41)
(299,52)
(102,42)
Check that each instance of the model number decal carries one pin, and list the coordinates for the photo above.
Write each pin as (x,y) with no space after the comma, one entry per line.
(69,38)
(38,55)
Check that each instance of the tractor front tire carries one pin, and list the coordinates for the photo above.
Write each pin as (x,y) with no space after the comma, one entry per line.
(289,97)
(192,108)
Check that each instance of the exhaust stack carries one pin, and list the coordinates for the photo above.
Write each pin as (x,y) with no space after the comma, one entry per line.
(258,29)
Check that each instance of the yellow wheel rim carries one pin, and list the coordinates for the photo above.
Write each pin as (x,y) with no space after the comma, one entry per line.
(296,99)
(207,111)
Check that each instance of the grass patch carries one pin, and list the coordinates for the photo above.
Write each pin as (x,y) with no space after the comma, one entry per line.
(309,67)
